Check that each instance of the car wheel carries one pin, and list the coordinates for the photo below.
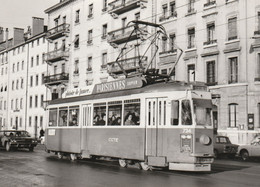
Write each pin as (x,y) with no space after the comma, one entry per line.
(215,153)
(8,146)
(244,155)
(31,149)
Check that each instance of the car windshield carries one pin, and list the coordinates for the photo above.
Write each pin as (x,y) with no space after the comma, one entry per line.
(223,140)
(202,109)
(256,140)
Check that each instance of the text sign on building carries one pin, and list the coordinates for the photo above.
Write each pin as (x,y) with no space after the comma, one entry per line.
(118,85)
(78,92)
(250,121)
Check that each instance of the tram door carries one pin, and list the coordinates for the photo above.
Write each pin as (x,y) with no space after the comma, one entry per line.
(86,120)
(155,120)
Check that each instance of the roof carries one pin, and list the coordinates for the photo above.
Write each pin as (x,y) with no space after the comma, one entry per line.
(57,6)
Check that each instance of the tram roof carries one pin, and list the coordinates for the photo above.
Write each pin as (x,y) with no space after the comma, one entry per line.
(150,88)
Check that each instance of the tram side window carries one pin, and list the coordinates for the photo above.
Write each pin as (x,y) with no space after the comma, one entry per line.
(74,116)
(114,113)
(132,112)
(175,113)
(53,117)
(99,114)
(63,117)
(186,112)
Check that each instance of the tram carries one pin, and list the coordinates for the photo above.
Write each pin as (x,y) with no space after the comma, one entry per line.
(164,124)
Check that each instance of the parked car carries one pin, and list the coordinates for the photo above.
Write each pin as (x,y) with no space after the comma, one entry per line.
(223,146)
(252,150)
(13,139)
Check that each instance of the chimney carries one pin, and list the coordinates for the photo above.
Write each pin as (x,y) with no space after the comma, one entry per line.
(18,36)
(37,26)
(1,34)
(6,37)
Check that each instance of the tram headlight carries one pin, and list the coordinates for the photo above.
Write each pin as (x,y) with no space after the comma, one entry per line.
(204,139)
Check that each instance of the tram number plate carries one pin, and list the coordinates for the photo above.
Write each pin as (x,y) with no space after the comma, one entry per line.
(186,131)
(51,132)
(113,140)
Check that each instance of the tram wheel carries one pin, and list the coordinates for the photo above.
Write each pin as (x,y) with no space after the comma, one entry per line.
(144,166)
(73,157)
(60,156)
(122,163)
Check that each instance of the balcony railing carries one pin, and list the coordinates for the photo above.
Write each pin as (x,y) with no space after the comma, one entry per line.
(119,6)
(210,42)
(56,79)
(129,65)
(168,52)
(209,3)
(122,35)
(57,55)
(57,32)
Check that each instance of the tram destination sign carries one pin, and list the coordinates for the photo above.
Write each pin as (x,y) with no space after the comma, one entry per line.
(78,92)
(117,85)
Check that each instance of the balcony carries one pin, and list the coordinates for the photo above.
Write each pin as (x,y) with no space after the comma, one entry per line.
(122,35)
(56,79)
(121,6)
(57,55)
(57,32)
(210,42)
(129,65)
(257,32)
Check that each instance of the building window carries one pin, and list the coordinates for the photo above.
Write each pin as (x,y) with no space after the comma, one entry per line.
(76,41)
(32,44)
(257,75)
(164,10)
(42,100)
(22,65)
(173,9)
(191,38)
(104,31)
(191,73)
(258,24)
(233,114)
(172,42)
(76,67)
(63,68)
(21,122)
(12,104)
(41,121)
(164,44)
(38,42)
(42,78)
(43,58)
(90,36)
(210,34)
(37,60)
(77,16)
(17,84)
(30,121)
(89,64)
(31,81)
(21,83)
(21,103)
(104,6)
(17,68)
(36,80)
(211,72)
(13,68)
(12,85)
(232,28)
(191,6)
(137,16)
(30,104)
(31,61)
(36,101)
(104,60)
(90,10)
(16,104)
(233,70)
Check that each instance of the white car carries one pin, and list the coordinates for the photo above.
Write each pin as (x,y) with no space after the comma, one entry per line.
(252,150)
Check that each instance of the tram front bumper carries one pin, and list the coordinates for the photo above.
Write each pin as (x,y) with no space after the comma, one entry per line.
(189,167)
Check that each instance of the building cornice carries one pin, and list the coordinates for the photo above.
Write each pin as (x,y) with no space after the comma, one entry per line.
(57,6)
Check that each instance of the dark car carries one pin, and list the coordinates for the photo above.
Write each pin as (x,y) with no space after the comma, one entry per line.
(223,146)
(13,139)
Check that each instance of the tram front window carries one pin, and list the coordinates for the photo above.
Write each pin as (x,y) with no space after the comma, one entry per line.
(202,109)
(186,112)
(53,117)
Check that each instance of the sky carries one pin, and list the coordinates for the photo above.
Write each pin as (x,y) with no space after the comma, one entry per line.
(19,13)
